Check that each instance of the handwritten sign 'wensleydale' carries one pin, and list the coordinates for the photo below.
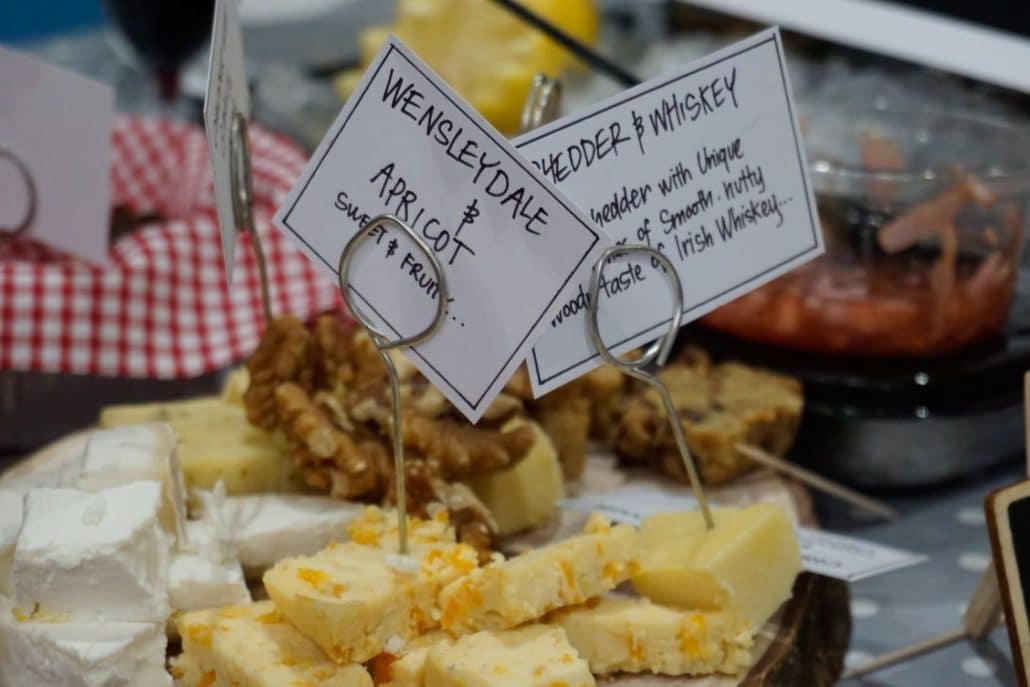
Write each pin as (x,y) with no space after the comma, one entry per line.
(707,167)
(511,247)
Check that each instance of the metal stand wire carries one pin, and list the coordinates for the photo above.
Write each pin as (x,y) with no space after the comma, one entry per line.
(384,344)
(243,205)
(645,368)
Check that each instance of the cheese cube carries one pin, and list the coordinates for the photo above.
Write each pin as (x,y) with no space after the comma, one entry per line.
(82,654)
(531,656)
(188,673)
(746,565)
(217,442)
(252,646)
(524,496)
(93,556)
(138,453)
(11,508)
(208,575)
(635,636)
(406,667)
(266,528)
(525,587)
(377,527)
(352,600)
(236,383)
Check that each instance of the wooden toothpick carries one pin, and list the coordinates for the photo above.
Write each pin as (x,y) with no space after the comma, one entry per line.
(983,614)
(817,482)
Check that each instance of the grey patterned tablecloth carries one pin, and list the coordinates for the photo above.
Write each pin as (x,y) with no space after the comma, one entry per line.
(910,605)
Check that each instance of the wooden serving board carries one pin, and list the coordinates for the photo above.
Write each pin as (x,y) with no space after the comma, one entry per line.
(802,646)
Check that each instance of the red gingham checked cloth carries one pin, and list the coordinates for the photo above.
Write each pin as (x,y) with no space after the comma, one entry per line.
(161,307)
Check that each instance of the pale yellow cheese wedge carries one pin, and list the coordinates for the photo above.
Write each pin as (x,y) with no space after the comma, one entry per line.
(529,656)
(746,565)
(524,496)
(631,635)
(354,600)
(524,588)
(236,383)
(252,646)
(216,442)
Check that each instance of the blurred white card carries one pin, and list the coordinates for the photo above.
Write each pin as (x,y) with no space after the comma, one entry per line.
(58,124)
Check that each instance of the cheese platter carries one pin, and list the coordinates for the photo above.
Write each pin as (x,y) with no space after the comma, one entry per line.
(260,510)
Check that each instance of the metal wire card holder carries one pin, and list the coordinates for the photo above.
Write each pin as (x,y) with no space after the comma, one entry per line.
(542,103)
(645,368)
(385,344)
(242,191)
(7,233)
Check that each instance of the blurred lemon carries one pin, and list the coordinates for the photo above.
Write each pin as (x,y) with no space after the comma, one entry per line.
(484,52)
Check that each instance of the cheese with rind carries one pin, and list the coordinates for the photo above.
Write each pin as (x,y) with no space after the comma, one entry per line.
(266,528)
(208,574)
(217,442)
(145,452)
(72,654)
(746,565)
(11,508)
(93,556)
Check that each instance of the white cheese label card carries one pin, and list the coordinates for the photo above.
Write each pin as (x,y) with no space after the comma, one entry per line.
(824,553)
(55,127)
(705,165)
(226,96)
(848,558)
(511,247)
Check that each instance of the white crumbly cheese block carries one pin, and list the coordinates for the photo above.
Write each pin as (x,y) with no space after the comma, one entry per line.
(11,507)
(267,528)
(208,575)
(93,556)
(138,453)
(82,654)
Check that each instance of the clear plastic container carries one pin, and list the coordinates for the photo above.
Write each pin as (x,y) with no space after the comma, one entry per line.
(923,214)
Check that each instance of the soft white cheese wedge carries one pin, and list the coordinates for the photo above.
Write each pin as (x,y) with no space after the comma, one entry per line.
(93,556)
(136,453)
(266,528)
(208,575)
(11,502)
(62,468)
(82,654)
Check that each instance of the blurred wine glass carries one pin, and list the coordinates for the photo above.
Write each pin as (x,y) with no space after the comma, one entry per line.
(163,34)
